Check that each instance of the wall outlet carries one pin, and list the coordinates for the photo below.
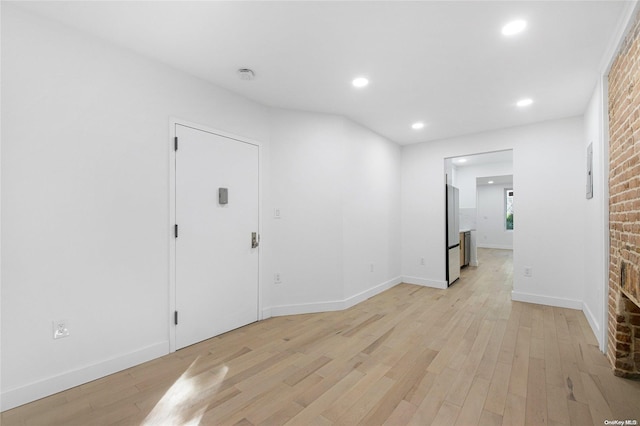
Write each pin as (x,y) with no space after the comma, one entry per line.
(371,267)
(276,213)
(276,278)
(60,329)
(528,271)
(422,261)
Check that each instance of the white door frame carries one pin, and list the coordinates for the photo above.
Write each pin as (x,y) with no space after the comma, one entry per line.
(172,215)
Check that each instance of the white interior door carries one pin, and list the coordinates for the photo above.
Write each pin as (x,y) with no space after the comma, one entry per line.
(216,265)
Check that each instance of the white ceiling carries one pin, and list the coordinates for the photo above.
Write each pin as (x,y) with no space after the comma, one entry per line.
(484,158)
(444,63)
(497,180)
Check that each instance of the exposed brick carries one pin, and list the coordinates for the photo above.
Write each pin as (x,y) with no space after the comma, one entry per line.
(624,364)
(626,374)
(624,329)
(626,338)
(624,207)
(623,348)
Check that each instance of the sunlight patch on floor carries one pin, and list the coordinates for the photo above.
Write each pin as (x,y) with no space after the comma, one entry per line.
(188,398)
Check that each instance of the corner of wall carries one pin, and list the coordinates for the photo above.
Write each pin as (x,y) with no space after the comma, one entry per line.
(594,324)
(540,299)
(333,305)
(424,282)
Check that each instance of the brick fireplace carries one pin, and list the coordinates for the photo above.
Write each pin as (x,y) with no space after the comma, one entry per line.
(624,208)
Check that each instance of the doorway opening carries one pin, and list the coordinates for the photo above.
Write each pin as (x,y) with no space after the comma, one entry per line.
(487,203)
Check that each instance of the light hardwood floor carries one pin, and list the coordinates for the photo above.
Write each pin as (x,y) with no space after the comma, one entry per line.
(413,355)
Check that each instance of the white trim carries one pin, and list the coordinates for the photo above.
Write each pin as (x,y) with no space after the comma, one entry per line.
(173,122)
(335,305)
(172,240)
(307,308)
(593,322)
(606,241)
(1,226)
(21,395)
(539,299)
(364,295)
(266,313)
(495,246)
(425,282)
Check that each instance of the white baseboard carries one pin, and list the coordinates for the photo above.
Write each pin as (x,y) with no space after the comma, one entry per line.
(495,246)
(546,300)
(306,308)
(425,282)
(364,295)
(336,305)
(14,397)
(595,326)
(266,313)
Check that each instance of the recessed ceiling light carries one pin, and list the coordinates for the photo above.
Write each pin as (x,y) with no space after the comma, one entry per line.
(417,126)
(490,181)
(360,82)
(514,27)
(461,160)
(524,102)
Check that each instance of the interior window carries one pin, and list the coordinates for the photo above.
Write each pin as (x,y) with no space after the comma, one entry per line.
(508,198)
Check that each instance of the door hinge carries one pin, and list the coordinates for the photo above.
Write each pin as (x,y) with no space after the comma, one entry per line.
(175,143)
(175,231)
(175,317)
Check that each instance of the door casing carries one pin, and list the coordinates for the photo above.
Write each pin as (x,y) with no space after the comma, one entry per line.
(172,216)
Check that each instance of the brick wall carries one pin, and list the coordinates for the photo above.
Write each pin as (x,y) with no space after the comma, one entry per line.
(624,208)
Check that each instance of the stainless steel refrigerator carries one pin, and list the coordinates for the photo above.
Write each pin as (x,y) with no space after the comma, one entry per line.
(453,234)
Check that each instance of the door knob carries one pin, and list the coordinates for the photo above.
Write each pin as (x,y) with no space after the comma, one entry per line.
(255,240)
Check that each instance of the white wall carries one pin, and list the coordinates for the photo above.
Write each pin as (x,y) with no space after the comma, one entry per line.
(596,224)
(548,178)
(449,171)
(85,211)
(371,213)
(306,166)
(337,187)
(466,179)
(490,224)
(85,187)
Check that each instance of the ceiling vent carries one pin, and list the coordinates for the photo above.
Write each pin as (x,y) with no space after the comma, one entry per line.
(246,74)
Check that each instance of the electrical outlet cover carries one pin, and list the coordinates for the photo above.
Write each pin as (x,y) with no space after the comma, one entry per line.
(60,329)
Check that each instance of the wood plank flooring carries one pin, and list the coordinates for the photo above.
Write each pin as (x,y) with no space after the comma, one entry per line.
(412,355)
